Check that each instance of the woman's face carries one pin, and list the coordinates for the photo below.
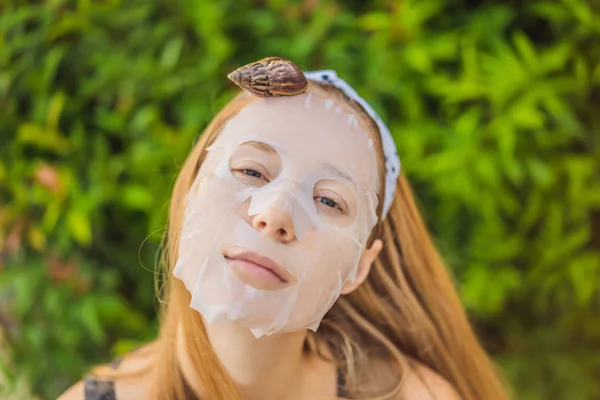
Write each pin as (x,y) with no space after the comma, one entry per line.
(279,214)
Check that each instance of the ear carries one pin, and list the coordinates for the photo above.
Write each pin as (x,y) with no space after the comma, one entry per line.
(364,266)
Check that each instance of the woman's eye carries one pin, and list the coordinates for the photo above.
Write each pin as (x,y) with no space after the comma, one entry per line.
(328,202)
(252,173)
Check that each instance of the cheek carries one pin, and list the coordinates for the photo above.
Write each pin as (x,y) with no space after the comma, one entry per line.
(337,255)
(209,200)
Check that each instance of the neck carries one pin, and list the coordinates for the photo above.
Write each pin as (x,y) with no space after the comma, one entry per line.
(266,368)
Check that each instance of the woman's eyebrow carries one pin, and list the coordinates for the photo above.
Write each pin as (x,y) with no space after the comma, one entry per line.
(340,173)
(260,146)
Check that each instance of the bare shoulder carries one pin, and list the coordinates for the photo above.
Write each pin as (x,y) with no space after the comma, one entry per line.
(134,383)
(75,392)
(128,380)
(422,383)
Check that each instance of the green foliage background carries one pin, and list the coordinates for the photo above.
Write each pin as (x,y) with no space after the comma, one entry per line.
(494,106)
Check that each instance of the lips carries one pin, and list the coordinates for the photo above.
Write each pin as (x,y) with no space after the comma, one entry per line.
(259,261)
(255,269)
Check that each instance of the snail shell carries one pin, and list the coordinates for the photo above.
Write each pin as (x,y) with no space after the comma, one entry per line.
(271,76)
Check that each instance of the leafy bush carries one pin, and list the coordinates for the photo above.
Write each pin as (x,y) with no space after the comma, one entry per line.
(491,104)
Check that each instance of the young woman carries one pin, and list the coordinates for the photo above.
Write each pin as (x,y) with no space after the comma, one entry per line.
(297,265)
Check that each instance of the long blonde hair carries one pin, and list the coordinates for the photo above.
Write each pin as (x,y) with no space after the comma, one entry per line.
(406,311)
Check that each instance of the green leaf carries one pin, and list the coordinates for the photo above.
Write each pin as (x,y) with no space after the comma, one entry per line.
(79,226)
(171,53)
(375,21)
(55,107)
(584,272)
(43,138)
(90,320)
(526,49)
(137,197)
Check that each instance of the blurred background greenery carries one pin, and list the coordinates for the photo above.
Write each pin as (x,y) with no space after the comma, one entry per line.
(494,105)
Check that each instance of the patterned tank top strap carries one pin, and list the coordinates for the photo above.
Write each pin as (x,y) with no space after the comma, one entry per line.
(101,389)
(98,389)
(341,385)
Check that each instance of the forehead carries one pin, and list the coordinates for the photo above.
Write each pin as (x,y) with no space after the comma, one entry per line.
(310,129)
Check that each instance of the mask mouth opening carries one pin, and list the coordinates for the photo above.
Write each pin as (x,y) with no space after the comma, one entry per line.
(256,269)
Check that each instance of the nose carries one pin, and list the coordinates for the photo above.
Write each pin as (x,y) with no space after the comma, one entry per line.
(275,223)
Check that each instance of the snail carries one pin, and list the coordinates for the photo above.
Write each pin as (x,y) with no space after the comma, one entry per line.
(271,76)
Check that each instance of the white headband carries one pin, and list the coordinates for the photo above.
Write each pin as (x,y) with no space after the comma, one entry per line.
(392,161)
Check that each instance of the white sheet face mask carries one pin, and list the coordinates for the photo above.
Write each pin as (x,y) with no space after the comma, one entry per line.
(279,215)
